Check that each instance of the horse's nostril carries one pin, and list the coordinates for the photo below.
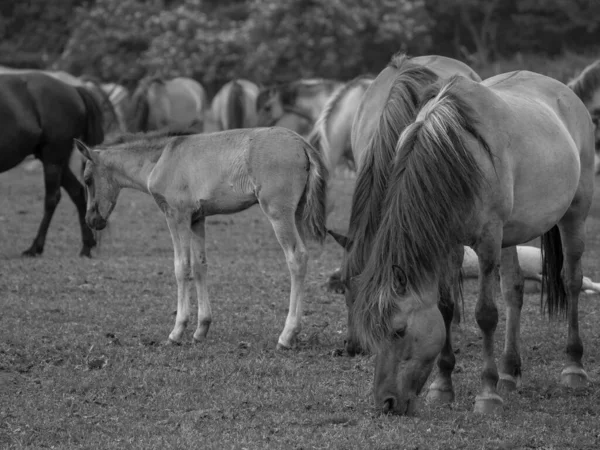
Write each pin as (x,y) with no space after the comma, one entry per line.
(389,404)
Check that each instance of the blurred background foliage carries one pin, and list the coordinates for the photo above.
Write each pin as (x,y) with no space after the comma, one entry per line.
(279,40)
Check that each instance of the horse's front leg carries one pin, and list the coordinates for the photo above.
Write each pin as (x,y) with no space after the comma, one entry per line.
(179,226)
(486,313)
(512,290)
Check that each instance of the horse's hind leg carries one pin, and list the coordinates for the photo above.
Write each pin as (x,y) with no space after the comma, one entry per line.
(199,269)
(52,182)
(181,235)
(290,238)
(512,289)
(76,192)
(572,233)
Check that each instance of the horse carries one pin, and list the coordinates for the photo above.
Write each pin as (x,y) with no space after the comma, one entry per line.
(41,116)
(295,105)
(234,105)
(489,165)
(587,87)
(387,107)
(193,176)
(178,103)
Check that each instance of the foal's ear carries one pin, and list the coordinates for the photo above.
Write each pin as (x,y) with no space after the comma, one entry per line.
(344,241)
(87,153)
(399,278)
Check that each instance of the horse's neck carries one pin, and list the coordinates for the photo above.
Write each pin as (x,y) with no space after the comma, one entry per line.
(132,167)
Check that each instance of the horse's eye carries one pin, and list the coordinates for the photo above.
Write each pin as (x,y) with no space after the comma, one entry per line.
(399,333)
(87,181)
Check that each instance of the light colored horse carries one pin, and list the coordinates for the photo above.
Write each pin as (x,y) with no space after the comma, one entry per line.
(178,104)
(389,105)
(490,165)
(294,105)
(587,87)
(234,106)
(192,177)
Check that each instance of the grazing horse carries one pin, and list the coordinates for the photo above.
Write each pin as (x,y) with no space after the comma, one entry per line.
(195,176)
(388,106)
(41,116)
(234,106)
(178,103)
(587,87)
(490,165)
(294,105)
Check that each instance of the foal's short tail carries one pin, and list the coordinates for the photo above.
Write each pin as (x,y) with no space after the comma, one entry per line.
(552,282)
(312,207)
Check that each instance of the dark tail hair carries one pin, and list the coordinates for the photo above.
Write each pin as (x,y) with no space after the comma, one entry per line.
(552,282)
(94,129)
(141,111)
(235,106)
(312,209)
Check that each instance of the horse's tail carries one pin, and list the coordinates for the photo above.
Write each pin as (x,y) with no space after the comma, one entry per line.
(552,264)
(235,106)
(93,134)
(313,204)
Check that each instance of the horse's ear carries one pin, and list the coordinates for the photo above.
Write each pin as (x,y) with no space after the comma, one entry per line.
(85,150)
(344,241)
(399,278)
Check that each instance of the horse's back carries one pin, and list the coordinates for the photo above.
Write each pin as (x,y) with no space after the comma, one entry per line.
(178,102)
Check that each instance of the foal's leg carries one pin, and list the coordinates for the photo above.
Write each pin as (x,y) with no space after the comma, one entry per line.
(572,233)
(77,194)
(181,235)
(52,181)
(512,289)
(199,269)
(290,238)
(486,314)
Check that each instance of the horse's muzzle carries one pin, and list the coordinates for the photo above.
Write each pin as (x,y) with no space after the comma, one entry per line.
(96,222)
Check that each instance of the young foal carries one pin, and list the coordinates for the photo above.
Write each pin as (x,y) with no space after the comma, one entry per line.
(192,176)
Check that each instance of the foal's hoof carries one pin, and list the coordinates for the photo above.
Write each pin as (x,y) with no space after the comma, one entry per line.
(86,251)
(508,383)
(488,404)
(172,343)
(574,377)
(282,348)
(198,339)
(440,396)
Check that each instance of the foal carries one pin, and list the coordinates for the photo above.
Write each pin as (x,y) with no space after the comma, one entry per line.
(192,176)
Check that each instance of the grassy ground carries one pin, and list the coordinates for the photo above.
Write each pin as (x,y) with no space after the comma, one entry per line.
(83,362)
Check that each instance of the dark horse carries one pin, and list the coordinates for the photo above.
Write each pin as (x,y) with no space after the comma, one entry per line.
(41,116)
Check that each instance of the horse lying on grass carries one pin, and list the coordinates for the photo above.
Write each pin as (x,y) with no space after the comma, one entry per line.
(193,176)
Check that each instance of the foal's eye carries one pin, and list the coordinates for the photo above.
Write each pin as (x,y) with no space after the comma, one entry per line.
(399,333)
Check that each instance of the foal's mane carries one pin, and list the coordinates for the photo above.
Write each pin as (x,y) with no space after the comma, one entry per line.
(150,140)
(587,82)
(433,187)
(400,110)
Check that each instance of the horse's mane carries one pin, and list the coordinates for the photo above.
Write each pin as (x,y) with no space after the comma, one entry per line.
(587,83)
(434,183)
(400,110)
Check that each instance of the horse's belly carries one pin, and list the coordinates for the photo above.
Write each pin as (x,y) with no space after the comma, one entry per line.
(226,203)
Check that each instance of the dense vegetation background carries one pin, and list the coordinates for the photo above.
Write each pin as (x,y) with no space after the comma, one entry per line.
(277,40)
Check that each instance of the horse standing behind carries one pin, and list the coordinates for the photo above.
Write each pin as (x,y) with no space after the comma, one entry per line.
(41,116)
(178,104)
(234,106)
(192,177)
(489,165)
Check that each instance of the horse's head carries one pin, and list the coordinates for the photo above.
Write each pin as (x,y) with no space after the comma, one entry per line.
(101,189)
(269,106)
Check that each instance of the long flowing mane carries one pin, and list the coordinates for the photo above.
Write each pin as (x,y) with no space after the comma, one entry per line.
(400,110)
(434,184)
(587,83)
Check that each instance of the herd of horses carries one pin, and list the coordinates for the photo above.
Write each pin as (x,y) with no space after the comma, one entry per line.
(452,172)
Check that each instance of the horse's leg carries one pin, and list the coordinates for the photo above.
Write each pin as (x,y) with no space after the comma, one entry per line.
(572,233)
(52,182)
(512,290)
(199,269)
(76,192)
(181,235)
(486,314)
(288,233)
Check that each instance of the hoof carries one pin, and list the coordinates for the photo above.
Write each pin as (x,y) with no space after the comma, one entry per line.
(440,396)
(85,252)
(282,348)
(199,339)
(488,404)
(508,383)
(30,253)
(574,377)
(172,343)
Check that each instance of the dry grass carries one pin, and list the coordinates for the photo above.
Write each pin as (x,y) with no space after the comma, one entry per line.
(83,365)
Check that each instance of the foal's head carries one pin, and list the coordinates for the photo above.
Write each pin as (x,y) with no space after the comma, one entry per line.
(101,188)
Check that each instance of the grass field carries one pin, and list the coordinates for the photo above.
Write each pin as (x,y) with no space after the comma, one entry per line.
(83,362)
